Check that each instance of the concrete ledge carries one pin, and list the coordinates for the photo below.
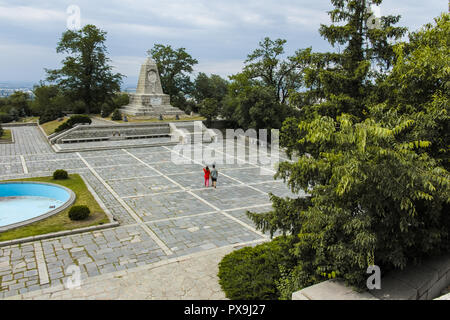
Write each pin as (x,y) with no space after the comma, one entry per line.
(58,149)
(421,282)
(334,289)
(19,124)
(444,297)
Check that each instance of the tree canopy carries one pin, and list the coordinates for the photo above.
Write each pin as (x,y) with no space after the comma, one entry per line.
(86,75)
(175,66)
(372,151)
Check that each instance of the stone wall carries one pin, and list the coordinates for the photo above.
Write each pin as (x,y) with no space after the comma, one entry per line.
(106,132)
(422,282)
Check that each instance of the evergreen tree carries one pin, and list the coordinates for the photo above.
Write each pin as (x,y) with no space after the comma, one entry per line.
(342,82)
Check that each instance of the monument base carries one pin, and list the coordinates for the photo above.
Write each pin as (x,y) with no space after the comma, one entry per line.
(151,105)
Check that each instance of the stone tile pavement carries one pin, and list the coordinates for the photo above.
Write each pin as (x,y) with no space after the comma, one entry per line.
(164,211)
(191,277)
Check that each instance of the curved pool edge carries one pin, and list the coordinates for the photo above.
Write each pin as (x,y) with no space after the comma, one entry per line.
(46,215)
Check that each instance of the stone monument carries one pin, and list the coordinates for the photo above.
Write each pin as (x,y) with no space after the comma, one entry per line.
(149,99)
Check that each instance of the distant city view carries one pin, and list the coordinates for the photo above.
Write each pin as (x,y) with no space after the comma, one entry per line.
(8,88)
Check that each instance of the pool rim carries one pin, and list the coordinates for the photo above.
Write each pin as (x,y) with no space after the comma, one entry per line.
(64,206)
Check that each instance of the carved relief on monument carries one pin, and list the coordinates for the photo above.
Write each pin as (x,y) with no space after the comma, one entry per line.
(152,77)
(156,101)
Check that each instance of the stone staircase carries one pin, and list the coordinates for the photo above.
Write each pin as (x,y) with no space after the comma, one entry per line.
(113,132)
(191,132)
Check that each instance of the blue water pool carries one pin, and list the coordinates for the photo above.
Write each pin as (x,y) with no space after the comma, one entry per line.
(23,203)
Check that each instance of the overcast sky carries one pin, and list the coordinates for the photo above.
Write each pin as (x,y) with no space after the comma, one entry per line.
(218,33)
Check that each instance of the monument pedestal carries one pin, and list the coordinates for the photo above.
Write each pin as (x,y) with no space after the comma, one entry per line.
(149,99)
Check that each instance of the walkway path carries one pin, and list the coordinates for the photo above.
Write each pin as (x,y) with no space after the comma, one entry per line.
(192,277)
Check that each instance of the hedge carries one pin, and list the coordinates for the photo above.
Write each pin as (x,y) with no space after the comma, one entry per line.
(251,273)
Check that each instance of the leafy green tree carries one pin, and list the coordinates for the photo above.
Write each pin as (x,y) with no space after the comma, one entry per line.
(175,66)
(20,101)
(282,75)
(419,84)
(49,102)
(15,106)
(258,108)
(118,100)
(374,197)
(86,74)
(260,96)
(121,99)
(376,190)
(209,108)
(213,87)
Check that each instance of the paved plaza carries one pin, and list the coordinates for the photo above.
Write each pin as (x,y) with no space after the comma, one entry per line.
(166,215)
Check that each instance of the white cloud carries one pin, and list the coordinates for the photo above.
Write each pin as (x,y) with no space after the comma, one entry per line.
(222,68)
(218,33)
(26,62)
(30,14)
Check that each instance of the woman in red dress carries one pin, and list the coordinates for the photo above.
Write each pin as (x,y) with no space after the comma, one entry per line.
(207,173)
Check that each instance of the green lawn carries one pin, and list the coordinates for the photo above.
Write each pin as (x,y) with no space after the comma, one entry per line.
(61,221)
(49,127)
(7,136)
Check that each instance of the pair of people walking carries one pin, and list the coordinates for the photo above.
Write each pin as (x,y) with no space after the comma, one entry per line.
(211,173)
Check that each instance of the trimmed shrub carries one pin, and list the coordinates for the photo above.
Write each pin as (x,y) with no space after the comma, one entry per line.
(1,129)
(79,118)
(116,116)
(73,120)
(60,175)
(62,127)
(252,273)
(79,212)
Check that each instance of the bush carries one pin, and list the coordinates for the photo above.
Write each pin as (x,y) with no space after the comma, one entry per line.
(79,118)
(49,115)
(116,116)
(106,110)
(5,118)
(79,212)
(252,273)
(60,175)
(73,120)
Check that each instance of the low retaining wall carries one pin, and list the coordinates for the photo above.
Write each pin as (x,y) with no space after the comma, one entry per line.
(421,282)
(19,124)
